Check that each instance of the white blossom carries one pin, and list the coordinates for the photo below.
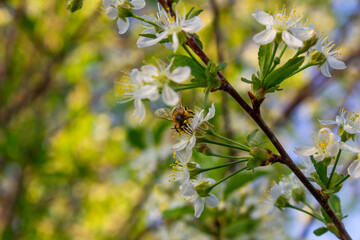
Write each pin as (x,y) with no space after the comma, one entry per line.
(291,27)
(197,125)
(181,172)
(161,76)
(169,27)
(134,88)
(308,167)
(325,144)
(112,11)
(327,47)
(350,121)
(199,201)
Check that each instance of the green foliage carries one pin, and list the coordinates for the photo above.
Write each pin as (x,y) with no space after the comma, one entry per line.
(320,231)
(279,75)
(264,59)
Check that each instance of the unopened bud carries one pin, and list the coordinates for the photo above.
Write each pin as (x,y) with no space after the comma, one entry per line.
(204,149)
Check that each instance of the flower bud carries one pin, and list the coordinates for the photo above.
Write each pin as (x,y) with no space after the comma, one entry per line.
(204,149)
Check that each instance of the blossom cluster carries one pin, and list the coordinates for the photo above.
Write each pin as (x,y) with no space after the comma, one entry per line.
(192,186)
(147,84)
(327,145)
(293,30)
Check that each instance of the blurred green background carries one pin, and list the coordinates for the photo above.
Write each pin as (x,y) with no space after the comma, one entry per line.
(74,164)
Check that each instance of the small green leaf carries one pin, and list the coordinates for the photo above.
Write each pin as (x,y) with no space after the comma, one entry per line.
(198,41)
(321,171)
(325,216)
(251,136)
(147,35)
(74,5)
(196,70)
(240,180)
(246,81)
(264,57)
(196,13)
(320,231)
(335,204)
(189,12)
(279,75)
(221,66)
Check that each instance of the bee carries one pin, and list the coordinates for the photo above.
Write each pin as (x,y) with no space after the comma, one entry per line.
(180,115)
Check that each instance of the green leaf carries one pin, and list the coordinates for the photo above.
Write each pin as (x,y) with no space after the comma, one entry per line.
(221,66)
(256,82)
(321,171)
(196,70)
(196,13)
(189,12)
(264,57)
(147,35)
(279,75)
(246,81)
(198,41)
(176,213)
(240,180)
(74,5)
(320,231)
(251,136)
(335,204)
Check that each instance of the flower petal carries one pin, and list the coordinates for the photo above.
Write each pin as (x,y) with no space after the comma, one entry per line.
(192,25)
(319,157)
(108,3)
(112,12)
(305,151)
(354,169)
(211,113)
(265,37)
(138,4)
(175,41)
(139,109)
(300,33)
(327,122)
(123,25)
(332,149)
(212,200)
(346,147)
(187,189)
(324,69)
(199,207)
(169,96)
(335,63)
(180,74)
(263,18)
(291,40)
(148,91)
(180,145)
(191,143)
(146,42)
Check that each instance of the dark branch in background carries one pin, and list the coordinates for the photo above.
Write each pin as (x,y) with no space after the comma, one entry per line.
(220,55)
(256,116)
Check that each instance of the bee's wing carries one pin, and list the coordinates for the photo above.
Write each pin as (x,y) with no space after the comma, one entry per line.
(164,113)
